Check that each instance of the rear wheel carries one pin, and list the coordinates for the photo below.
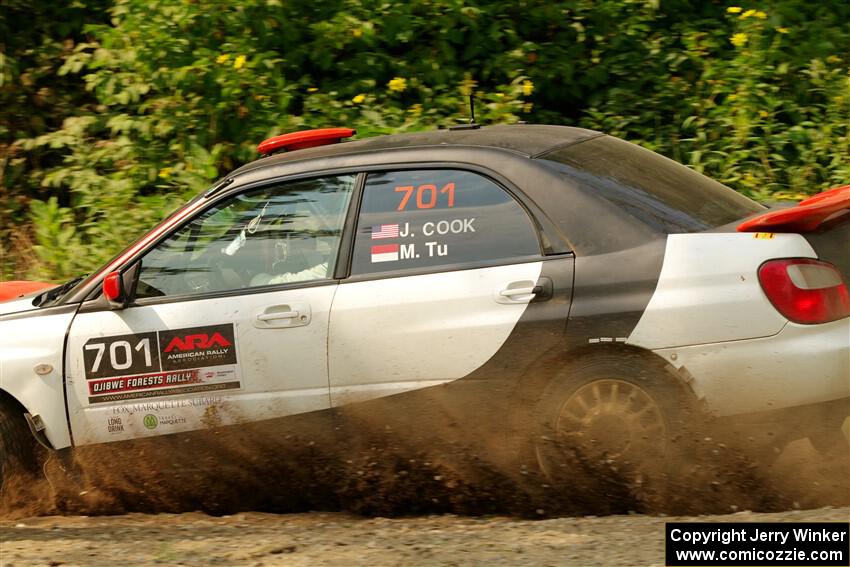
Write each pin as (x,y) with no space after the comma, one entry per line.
(612,410)
(17,445)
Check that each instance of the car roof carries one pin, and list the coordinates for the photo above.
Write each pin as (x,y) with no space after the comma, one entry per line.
(522,139)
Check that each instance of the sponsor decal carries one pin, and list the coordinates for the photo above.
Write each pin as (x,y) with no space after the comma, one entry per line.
(161,405)
(175,349)
(167,363)
(385,253)
(193,347)
(171,420)
(152,421)
(114,424)
(164,392)
(380,231)
(145,381)
(764,235)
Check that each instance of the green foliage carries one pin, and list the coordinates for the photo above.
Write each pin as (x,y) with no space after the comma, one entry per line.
(113,112)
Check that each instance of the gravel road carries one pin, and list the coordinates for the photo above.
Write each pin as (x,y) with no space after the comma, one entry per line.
(342,539)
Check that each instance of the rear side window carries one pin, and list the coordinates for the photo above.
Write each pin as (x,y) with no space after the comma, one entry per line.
(658,191)
(434,218)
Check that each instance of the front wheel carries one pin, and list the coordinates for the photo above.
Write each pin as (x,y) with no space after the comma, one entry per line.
(17,445)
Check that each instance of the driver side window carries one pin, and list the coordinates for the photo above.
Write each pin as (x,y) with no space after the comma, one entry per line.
(278,234)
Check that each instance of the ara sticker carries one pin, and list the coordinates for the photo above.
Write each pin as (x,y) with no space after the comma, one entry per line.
(165,363)
(212,345)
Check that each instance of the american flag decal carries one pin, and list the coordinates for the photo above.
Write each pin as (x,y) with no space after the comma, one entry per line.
(384,231)
(385,253)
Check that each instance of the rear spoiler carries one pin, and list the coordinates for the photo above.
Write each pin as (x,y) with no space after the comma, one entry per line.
(807,216)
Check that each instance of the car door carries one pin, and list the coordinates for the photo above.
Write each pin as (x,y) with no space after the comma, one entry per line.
(228,321)
(445,266)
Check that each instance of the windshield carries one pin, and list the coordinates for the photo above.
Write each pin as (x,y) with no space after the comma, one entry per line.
(658,191)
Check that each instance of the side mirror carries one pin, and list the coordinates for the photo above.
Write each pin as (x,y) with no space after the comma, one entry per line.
(113,290)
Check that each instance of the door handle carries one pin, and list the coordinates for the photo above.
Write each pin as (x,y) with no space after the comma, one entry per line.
(525,291)
(517,292)
(276,316)
(284,316)
(513,292)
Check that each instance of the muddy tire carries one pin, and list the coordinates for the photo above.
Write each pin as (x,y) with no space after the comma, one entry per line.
(17,445)
(619,411)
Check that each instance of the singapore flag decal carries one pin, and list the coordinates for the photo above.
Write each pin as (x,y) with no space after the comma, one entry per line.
(385,253)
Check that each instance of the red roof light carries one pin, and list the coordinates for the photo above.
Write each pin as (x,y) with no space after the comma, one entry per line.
(304,139)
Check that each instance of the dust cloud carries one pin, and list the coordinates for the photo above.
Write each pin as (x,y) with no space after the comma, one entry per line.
(395,465)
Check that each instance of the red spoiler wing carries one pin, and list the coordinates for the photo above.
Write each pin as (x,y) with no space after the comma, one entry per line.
(805,217)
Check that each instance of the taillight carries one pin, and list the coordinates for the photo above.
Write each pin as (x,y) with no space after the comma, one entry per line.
(805,291)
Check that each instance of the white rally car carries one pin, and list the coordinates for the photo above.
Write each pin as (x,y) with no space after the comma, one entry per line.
(551,282)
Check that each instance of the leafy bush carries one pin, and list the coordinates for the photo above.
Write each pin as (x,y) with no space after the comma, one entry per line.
(162,97)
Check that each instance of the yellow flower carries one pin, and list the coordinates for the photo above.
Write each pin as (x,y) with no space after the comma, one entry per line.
(222,59)
(415,110)
(748,13)
(312,89)
(165,172)
(527,107)
(739,39)
(527,88)
(239,63)
(760,15)
(833,59)
(397,84)
(733,10)
(764,113)
(468,85)
(356,32)
(782,30)
(358,98)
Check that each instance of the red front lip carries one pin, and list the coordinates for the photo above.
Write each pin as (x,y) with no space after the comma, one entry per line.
(14,290)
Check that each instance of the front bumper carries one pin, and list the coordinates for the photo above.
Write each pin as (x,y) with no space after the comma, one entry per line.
(799,366)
